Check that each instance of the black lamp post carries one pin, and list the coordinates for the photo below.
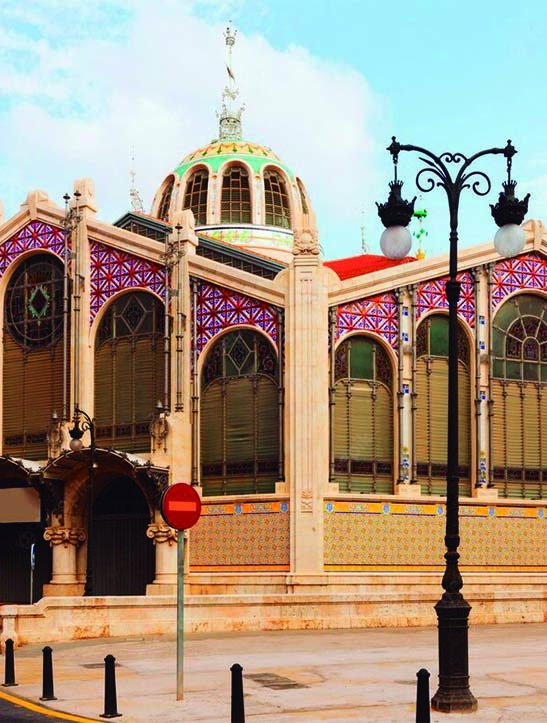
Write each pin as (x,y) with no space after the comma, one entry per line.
(452,609)
(76,434)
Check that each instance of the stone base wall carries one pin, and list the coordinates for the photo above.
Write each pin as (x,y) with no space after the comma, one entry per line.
(361,601)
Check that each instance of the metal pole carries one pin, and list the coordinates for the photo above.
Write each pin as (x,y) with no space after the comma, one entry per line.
(180,615)
(32,562)
(88,589)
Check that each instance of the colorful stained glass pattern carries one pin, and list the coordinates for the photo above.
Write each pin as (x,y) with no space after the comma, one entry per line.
(113,270)
(35,235)
(518,274)
(377,314)
(431,296)
(219,309)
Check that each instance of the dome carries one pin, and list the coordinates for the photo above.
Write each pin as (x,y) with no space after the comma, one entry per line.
(239,192)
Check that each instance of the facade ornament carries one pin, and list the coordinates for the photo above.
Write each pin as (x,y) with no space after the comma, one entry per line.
(306,242)
(161,533)
(65,536)
(306,501)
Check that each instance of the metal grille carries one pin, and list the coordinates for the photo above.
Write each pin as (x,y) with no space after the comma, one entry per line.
(235,204)
(195,197)
(276,200)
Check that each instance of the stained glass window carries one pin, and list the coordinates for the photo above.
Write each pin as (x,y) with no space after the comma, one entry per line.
(195,197)
(235,203)
(276,200)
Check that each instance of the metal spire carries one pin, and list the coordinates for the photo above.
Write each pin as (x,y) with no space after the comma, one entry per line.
(136,200)
(230,117)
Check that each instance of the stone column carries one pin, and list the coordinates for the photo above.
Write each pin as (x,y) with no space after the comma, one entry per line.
(165,542)
(404,398)
(307,417)
(64,542)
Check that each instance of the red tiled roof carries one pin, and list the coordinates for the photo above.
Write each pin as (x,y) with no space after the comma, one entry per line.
(364,264)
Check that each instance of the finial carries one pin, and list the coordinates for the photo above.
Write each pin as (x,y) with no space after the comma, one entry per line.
(230,117)
(421,233)
(136,200)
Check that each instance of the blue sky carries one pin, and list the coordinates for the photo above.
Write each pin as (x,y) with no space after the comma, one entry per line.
(326,85)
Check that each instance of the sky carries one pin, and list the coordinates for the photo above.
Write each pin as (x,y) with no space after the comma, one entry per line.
(86,86)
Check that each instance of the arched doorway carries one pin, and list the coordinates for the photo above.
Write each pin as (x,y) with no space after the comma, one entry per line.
(123,556)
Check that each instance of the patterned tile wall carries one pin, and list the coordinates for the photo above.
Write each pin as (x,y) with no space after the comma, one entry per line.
(431,295)
(359,535)
(377,313)
(526,273)
(243,536)
(219,309)
(34,236)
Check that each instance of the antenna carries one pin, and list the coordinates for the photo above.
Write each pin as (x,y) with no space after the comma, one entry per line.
(364,245)
(136,200)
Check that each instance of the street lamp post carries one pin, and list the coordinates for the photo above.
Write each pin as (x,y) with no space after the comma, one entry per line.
(453,694)
(76,434)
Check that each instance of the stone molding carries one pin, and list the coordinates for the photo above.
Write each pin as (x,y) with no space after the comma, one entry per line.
(161,533)
(306,242)
(65,536)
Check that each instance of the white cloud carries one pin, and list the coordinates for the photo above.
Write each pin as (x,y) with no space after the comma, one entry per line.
(78,102)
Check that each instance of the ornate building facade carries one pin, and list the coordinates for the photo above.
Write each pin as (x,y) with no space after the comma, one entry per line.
(304,398)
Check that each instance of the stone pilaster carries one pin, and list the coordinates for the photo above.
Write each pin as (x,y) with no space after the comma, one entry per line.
(307,410)
(165,543)
(404,397)
(64,542)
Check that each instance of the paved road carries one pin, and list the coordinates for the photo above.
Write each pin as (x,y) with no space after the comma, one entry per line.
(12,713)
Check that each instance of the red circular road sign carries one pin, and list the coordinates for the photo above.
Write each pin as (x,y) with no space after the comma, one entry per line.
(180,506)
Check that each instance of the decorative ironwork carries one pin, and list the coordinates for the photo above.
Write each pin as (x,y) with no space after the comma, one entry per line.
(113,270)
(219,309)
(377,313)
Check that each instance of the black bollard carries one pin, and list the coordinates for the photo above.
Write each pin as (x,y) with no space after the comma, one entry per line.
(423,708)
(238,709)
(110,704)
(47,675)
(9,676)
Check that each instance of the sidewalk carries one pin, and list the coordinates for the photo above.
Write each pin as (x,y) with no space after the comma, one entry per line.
(334,675)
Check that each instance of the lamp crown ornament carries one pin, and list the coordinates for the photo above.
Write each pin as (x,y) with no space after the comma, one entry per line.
(509,209)
(396,211)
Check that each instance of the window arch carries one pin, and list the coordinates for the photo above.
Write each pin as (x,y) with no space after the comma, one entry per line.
(165,202)
(276,200)
(363,417)
(195,196)
(431,406)
(235,202)
(519,397)
(239,436)
(129,370)
(33,354)
(302,193)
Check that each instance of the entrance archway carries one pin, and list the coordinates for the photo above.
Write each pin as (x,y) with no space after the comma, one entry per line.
(123,556)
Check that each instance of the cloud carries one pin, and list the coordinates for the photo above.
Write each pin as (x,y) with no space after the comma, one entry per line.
(87,83)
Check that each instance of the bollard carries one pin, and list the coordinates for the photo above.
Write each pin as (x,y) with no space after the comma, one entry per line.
(9,676)
(238,709)
(110,704)
(423,709)
(47,675)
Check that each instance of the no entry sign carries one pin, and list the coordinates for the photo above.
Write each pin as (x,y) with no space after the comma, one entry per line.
(180,506)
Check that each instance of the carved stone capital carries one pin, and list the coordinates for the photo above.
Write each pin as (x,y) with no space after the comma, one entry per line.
(64,536)
(306,241)
(161,533)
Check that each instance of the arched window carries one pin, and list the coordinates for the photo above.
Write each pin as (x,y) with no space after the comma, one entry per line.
(363,417)
(235,202)
(33,355)
(276,200)
(129,371)
(195,197)
(519,396)
(431,407)
(302,193)
(165,203)
(240,416)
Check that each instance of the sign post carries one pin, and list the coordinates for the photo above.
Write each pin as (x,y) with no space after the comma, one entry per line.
(181,508)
